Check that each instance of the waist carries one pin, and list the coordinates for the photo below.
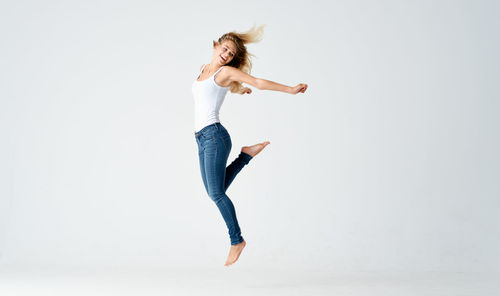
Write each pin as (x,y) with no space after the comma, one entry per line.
(216,125)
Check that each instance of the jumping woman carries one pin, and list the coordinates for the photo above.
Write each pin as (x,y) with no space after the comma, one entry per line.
(229,68)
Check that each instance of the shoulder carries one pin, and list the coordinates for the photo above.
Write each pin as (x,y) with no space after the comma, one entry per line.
(202,66)
(229,69)
(227,72)
(235,74)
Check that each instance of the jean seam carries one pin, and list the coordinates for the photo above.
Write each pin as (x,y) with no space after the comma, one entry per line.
(227,210)
(215,141)
(224,142)
(224,194)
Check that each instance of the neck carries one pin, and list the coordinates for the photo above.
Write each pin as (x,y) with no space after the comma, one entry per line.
(214,66)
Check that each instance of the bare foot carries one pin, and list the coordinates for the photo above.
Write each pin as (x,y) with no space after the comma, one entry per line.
(234,253)
(254,149)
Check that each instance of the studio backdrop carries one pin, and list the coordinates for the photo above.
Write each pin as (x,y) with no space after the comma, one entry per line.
(389,161)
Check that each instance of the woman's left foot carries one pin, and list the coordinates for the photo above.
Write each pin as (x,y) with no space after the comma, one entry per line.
(254,149)
(234,253)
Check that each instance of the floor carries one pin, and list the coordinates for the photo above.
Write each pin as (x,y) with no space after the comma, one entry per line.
(230,281)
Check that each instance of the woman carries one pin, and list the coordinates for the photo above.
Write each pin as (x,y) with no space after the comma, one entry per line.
(227,70)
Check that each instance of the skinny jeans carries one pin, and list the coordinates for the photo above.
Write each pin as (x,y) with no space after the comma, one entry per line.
(214,145)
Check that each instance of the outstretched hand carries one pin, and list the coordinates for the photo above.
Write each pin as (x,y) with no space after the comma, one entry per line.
(246,90)
(301,87)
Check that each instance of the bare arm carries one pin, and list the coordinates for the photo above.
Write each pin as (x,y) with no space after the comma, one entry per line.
(271,85)
(235,74)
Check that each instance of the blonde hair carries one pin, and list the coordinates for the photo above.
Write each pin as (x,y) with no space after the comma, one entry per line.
(241,59)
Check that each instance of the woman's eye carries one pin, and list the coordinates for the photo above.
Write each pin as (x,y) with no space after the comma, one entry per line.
(225,49)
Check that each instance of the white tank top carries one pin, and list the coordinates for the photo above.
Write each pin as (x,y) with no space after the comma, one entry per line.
(208,98)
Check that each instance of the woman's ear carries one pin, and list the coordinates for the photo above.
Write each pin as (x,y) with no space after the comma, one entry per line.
(215,43)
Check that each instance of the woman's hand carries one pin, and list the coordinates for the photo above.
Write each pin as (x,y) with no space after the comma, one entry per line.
(301,87)
(246,90)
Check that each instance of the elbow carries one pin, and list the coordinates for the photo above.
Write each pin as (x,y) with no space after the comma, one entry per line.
(260,83)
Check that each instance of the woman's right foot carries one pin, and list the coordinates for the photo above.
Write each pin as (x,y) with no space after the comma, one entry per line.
(254,149)
(234,253)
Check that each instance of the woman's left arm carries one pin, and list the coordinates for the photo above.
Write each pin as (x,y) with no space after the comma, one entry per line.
(235,74)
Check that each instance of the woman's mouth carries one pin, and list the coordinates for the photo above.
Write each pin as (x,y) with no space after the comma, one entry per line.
(222,59)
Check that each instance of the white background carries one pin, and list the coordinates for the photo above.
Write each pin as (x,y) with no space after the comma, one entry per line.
(389,161)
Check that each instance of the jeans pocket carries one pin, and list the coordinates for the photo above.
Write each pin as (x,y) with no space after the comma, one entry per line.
(207,135)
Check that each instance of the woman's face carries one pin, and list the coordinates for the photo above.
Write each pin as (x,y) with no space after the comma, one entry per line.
(224,52)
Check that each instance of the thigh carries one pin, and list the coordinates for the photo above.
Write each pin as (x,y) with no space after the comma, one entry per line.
(216,153)
(201,158)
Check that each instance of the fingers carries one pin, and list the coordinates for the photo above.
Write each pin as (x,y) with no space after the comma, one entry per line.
(246,90)
(304,87)
(301,87)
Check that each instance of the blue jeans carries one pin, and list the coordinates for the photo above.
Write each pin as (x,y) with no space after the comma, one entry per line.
(214,145)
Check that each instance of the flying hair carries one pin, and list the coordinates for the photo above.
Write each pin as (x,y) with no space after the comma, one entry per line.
(241,59)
